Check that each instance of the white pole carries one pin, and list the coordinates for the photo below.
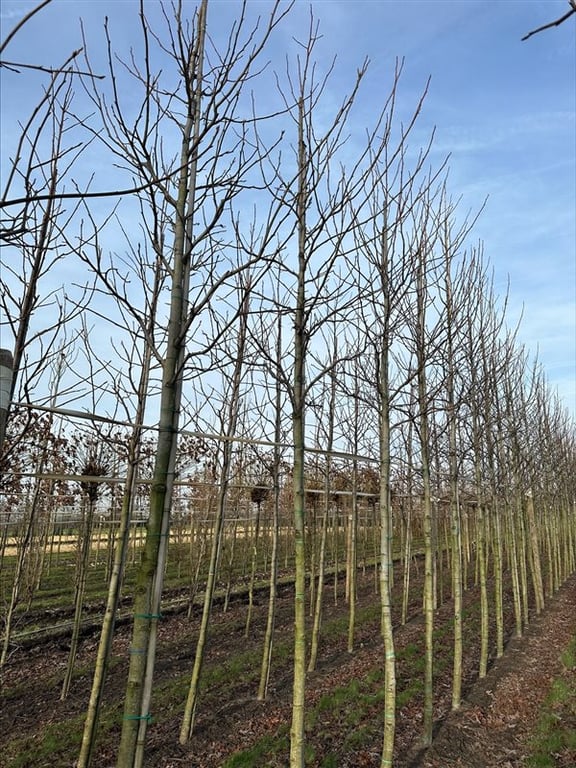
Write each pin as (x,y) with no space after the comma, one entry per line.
(6,364)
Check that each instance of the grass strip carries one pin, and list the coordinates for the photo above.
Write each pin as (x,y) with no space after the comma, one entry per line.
(554,738)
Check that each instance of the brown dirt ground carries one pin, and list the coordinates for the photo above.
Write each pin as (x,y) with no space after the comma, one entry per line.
(491,729)
(498,718)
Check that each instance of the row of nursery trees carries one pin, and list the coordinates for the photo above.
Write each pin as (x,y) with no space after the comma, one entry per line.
(284,291)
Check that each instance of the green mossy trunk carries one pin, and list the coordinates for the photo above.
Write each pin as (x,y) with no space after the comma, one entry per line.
(298,421)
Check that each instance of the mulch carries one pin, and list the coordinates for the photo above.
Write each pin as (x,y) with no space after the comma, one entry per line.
(496,722)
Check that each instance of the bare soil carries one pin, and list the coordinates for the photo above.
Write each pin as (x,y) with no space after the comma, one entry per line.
(492,728)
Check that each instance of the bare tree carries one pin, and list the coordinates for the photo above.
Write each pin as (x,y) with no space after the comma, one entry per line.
(319,205)
(274,337)
(205,107)
(459,297)
(94,464)
(387,272)
(139,357)
(229,420)
(39,430)
(328,428)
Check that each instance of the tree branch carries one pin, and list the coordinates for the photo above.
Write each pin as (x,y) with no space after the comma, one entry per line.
(85,195)
(15,66)
(556,23)
(22,22)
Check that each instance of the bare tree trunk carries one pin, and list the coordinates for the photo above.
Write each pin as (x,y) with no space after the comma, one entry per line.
(119,554)
(513,564)
(353,549)
(84,547)
(520,536)
(231,553)
(227,447)
(269,636)
(355,442)
(325,516)
(456,540)
(151,571)
(320,588)
(409,524)
(254,547)
(427,522)
(386,563)
(199,538)
(298,429)
(498,586)
(536,568)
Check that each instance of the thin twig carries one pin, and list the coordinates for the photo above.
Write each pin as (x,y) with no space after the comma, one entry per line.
(15,66)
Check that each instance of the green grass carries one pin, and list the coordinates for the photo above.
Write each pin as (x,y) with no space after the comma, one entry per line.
(267,748)
(568,657)
(555,733)
(415,688)
(361,737)
(57,742)
(410,651)
(351,707)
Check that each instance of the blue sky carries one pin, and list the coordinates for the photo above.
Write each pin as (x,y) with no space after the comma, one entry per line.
(503,109)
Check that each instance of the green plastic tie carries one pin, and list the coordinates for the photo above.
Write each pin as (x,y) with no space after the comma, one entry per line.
(147,717)
(148,616)
(136,651)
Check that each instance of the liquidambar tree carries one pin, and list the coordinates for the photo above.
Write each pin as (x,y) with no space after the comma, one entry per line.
(326,205)
(203,105)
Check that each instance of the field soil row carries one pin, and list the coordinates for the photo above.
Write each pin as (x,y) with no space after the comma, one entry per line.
(344,702)
(497,721)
